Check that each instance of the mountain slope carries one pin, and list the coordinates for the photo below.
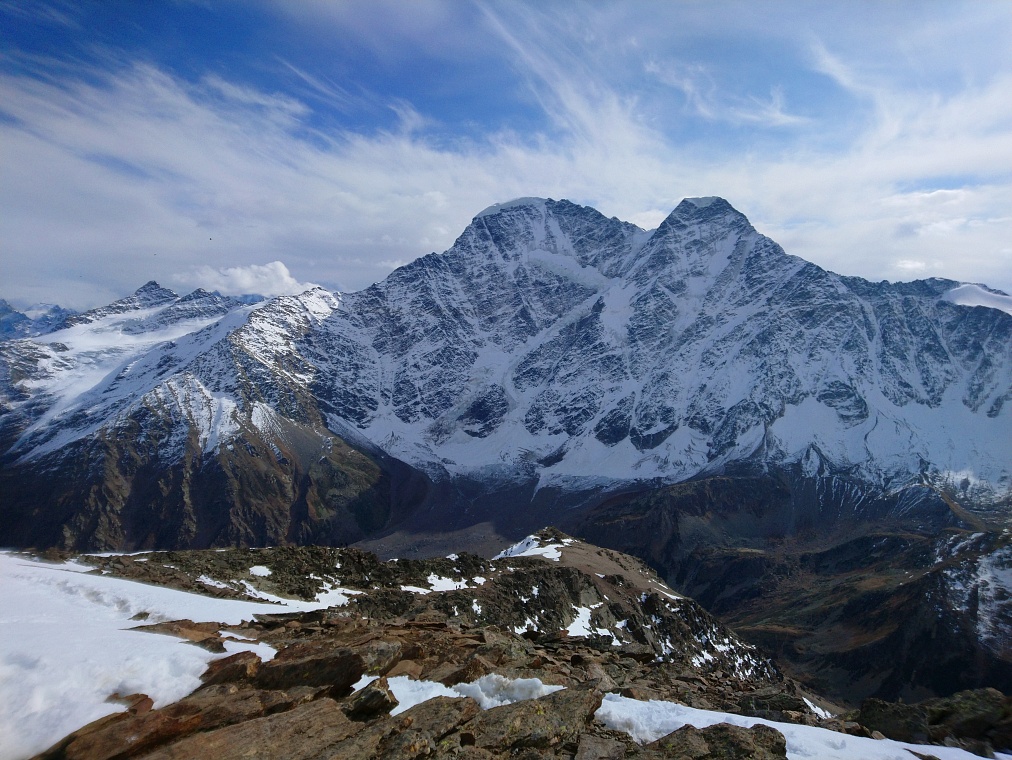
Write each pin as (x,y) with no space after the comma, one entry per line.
(549,351)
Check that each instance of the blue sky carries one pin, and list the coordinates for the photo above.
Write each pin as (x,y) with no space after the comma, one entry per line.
(265,145)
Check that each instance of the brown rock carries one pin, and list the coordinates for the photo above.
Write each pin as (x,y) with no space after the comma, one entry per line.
(723,742)
(311,665)
(136,704)
(540,723)
(638,692)
(309,731)
(905,723)
(203,634)
(370,701)
(599,748)
(127,734)
(240,666)
(475,667)
(409,668)
(380,656)
(413,733)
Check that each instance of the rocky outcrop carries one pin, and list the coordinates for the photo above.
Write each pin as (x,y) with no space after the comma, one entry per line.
(723,742)
(571,616)
(575,620)
(979,721)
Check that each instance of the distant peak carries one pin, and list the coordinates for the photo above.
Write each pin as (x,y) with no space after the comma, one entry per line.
(707,206)
(704,201)
(495,208)
(152,292)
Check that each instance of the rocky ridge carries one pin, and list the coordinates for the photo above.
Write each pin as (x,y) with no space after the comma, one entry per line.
(557,610)
(580,620)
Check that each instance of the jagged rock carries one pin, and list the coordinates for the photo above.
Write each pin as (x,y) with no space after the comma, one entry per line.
(309,731)
(593,747)
(906,723)
(414,733)
(312,664)
(538,723)
(723,742)
(370,701)
(475,667)
(379,656)
(240,666)
(130,734)
(203,634)
(979,721)
(974,714)
(775,704)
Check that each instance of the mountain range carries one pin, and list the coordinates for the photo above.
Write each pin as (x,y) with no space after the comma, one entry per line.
(550,357)
(823,461)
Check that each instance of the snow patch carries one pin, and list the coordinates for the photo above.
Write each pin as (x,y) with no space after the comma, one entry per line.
(648,721)
(975,295)
(532,547)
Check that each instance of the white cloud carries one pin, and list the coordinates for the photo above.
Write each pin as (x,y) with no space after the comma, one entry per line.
(129,174)
(272,279)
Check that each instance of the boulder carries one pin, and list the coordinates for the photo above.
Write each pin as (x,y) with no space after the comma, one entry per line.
(314,664)
(722,742)
(905,723)
(240,666)
(370,701)
(542,723)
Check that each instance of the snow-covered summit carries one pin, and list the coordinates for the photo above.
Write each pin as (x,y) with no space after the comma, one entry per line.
(496,208)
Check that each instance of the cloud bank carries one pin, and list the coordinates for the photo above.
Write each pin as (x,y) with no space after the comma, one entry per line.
(272,279)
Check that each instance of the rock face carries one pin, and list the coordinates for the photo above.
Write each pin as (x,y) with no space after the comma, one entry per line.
(551,355)
(150,455)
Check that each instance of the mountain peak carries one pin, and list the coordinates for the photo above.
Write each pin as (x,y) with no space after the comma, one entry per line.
(152,288)
(708,207)
(496,208)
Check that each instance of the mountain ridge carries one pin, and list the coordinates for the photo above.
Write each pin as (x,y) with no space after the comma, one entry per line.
(549,348)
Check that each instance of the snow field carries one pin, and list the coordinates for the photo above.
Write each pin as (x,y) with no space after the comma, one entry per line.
(66,646)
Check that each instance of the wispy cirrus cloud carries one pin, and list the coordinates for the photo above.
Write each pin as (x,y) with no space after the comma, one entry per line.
(119,170)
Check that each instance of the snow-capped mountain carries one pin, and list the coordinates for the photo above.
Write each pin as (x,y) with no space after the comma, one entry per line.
(36,320)
(549,347)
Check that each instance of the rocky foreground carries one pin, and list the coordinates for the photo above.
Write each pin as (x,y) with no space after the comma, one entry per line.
(552,612)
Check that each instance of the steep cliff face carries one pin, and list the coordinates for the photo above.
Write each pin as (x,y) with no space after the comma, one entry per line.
(550,350)
(554,344)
